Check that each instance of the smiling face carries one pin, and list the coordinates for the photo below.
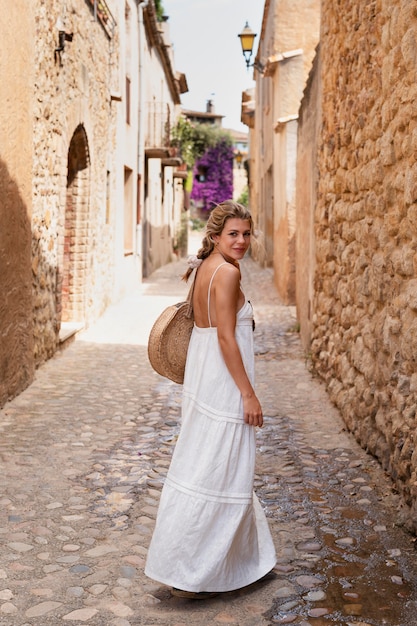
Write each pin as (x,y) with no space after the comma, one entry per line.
(234,239)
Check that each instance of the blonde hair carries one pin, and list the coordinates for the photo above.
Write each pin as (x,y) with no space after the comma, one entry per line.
(215,225)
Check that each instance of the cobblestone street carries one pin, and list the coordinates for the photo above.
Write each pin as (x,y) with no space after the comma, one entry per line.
(84,451)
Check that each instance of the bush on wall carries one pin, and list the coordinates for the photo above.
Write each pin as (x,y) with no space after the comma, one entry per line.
(213,176)
(159,8)
(208,152)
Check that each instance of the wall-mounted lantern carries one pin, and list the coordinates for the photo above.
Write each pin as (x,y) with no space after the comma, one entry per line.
(247,38)
(62,38)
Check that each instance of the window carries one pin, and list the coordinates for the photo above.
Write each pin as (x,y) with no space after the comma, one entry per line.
(201,175)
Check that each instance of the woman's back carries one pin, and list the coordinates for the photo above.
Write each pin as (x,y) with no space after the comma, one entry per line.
(210,280)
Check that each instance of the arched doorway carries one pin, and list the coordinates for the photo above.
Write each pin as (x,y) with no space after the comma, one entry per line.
(76,224)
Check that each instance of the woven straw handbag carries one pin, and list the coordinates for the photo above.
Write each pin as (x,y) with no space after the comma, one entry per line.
(169,339)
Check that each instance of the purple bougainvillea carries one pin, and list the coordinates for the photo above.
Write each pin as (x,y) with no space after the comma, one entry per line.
(213,176)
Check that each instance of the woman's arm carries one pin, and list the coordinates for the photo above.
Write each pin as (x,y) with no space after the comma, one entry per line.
(226,288)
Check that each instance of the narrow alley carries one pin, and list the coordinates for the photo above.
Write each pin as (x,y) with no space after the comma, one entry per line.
(84,451)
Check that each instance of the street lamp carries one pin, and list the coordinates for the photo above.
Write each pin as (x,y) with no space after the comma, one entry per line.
(247,37)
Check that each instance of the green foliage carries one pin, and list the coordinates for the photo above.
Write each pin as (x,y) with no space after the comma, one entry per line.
(197,224)
(160,11)
(244,197)
(193,140)
(180,244)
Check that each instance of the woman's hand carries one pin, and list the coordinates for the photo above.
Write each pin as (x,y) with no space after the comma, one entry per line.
(252,411)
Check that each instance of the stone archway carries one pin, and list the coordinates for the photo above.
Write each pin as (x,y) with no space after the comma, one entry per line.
(75,240)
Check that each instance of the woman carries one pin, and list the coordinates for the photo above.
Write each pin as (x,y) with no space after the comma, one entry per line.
(211,534)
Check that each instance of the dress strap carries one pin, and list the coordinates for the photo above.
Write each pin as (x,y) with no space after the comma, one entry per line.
(209,290)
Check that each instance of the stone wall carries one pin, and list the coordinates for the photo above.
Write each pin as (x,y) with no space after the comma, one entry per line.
(364,341)
(16,88)
(74,142)
(72,156)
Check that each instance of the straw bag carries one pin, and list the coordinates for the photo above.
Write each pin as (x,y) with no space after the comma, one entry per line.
(169,339)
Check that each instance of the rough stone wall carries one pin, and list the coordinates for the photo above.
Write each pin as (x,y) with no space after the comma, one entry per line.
(16,103)
(70,96)
(364,341)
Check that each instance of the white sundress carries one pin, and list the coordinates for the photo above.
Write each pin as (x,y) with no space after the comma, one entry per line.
(211,533)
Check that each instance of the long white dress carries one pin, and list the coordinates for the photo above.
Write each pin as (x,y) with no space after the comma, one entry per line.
(211,533)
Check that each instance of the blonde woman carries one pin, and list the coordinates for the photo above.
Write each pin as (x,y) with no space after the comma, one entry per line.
(211,534)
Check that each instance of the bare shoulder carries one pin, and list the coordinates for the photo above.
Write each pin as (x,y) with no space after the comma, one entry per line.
(228,275)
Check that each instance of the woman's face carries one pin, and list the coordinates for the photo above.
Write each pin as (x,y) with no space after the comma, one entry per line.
(234,239)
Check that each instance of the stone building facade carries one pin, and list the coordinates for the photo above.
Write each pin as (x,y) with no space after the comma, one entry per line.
(74,140)
(290,32)
(161,188)
(148,188)
(16,85)
(80,154)
(364,306)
